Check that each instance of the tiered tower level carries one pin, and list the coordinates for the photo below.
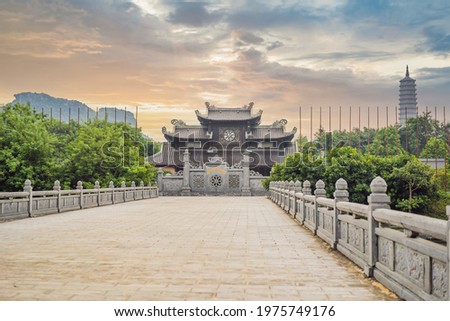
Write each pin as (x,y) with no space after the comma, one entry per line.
(226,133)
(407,99)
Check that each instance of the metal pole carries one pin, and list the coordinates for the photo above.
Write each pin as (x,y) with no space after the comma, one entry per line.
(406,130)
(359,128)
(378,131)
(445,152)
(436,143)
(417,134)
(426,132)
(396,132)
(350,127)
(310,129)
(387,131)
(368,130)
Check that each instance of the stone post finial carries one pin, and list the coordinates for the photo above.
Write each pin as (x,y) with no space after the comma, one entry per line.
(320,189)
(123,185)
(291,185)
(111,184)
(56,186)
(307,187)
(298,186)
(378,197)
(186,156)
(341,193)
(149,184)
(141,184)
(133,184)
(97,185)
(27,187)
(80,185)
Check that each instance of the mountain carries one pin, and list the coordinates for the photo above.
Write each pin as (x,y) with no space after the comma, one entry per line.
(57,108)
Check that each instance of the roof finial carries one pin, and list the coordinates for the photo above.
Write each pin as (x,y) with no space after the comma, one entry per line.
(407,71)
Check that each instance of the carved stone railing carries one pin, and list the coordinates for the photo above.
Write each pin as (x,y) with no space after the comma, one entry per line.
(33,203)
(408,253)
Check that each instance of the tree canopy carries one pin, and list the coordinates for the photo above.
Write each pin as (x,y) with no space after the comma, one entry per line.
(44,150)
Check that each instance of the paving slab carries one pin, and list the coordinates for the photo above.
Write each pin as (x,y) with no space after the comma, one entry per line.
(175,248)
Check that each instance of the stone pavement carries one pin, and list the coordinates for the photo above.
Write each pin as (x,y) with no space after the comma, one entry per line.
(175,248)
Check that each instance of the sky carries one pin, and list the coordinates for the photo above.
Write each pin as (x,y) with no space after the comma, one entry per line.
(169,57)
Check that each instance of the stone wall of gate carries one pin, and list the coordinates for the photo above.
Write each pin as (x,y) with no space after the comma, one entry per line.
(213,178)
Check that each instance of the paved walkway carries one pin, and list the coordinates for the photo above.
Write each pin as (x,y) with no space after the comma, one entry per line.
(173,248)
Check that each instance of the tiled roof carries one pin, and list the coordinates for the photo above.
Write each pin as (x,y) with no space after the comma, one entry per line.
(193,133)
(229,114)
(271,133)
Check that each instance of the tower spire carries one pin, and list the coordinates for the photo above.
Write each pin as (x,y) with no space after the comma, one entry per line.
(407,71)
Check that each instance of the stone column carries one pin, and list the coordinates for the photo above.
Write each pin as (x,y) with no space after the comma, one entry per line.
(133,186)
(319,192)
(29,189)
(160,182)
(57,187)
(123,186)
(186,189)
(246,171)
(377,199)
(340,195)
(80,188)
(97,187)
(306,191)
(290,195)
(297,189)
(111,186)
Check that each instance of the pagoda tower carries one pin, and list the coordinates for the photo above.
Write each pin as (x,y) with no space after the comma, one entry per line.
(407,99)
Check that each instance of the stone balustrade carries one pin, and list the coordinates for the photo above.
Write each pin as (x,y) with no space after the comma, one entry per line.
(33,203)
(407,253)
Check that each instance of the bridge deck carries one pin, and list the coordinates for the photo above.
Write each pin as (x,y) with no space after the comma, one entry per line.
(173,248)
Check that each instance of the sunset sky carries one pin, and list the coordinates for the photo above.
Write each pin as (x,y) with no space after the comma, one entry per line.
(169,57)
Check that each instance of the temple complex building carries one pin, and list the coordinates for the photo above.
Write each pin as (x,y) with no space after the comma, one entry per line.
(407,99)
(226,134)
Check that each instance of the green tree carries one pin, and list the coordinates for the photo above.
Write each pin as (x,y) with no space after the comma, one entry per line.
(27,149)
(435,148)
(416,175)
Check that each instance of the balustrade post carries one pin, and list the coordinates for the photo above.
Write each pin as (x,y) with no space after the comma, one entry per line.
(377,199)
(290,192)
(286,194)
(283,193)
(340,195)
(306,191)
(297,189)
(277,192)
(448,253)
(160,182)
(111,186)
(29,189)
(57,187)
(80,188)
(133,186)
(97,187)
(319,192)
(142,187)
(124,191)
(186,188)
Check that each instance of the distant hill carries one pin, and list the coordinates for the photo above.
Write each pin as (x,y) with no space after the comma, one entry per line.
(64,108)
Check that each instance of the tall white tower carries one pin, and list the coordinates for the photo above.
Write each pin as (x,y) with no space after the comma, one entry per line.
(408,99)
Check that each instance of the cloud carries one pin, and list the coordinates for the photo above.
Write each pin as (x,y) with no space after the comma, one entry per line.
(192,14)
(437,40)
